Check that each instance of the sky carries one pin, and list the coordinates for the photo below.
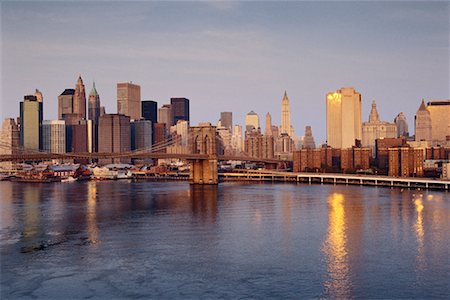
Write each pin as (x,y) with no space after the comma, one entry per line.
(230,56)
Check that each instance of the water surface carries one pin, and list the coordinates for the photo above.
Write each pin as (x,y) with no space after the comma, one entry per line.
(171,240)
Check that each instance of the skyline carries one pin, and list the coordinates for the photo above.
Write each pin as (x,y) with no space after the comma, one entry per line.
(231,54)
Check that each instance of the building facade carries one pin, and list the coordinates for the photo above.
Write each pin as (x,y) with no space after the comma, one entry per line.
(440,120)
(422,122)
(65,103)
(180,109)
(376,129)
(165,115)
(54,136)
(129,100)
(406,162)
(226,119)
(251,121)
(286,116)
(141,134)
(343,118)
(308,139)
(114,136)
(402,125)
(31,115)
(79,99)
(9,138)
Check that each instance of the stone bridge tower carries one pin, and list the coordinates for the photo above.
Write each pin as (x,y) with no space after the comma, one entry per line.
(202,140)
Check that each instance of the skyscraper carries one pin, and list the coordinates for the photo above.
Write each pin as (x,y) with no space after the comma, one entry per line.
(9,137)
(141,134)
(236,139)
(54,136)
(79,99)
(286,116)
(423,123)
(251,121)
(376,129)
(180,109)
(38,95)
(129,100)
(268,131)
(440,119)
(165,115)
(402,125)
(94,105)
(31,114)
(308,139)
(343,118)
(150,110)
(226,118)
(65,103)
(94,114)
(114,136)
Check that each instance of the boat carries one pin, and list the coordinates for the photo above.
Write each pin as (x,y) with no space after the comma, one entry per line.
(69,179)
(36,176)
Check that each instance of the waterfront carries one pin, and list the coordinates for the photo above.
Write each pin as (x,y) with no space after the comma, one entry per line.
(172,240)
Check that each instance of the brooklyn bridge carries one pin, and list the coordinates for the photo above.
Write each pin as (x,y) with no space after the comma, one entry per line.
(203,152)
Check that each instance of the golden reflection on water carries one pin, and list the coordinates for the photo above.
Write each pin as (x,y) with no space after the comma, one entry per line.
(338,284)
(91,214)
(31,199)
(420,233)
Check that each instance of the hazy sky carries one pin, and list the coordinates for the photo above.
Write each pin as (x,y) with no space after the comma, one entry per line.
(230,56)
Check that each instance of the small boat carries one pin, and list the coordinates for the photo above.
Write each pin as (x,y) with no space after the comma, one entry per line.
(69,179)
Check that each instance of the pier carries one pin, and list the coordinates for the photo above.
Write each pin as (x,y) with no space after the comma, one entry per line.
(334,178)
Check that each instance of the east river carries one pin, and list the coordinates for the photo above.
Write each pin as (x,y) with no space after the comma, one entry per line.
(123,239)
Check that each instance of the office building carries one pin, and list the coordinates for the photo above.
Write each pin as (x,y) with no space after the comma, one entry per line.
(181,128)
(65,103)
(268,130)
(9,140)
(94,105)
(286,116)
(180,109)
(226,119)
(440,120)
(31,114)
(237,139)
(141,134)
(308,139)
(9,137)
(165,115)
(343,118)
(376,129)
(402,125)
(54,136)
(251,121)
(129,100)
(79,99)
(114,136)
(150,111)
(423,123)
(93,115)
(38,95)
(160,137)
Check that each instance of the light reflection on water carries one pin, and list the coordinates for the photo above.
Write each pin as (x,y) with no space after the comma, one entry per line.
(338,284)
(172,240)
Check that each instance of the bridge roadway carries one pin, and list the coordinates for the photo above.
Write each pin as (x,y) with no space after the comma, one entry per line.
(334,178)
(20,157)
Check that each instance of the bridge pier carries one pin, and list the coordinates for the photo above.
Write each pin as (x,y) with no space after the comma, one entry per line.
(204,171)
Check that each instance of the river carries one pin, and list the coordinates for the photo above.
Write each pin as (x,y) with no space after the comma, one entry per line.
(123,239)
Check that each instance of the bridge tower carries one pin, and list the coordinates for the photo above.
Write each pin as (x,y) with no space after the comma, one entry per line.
(202,140)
